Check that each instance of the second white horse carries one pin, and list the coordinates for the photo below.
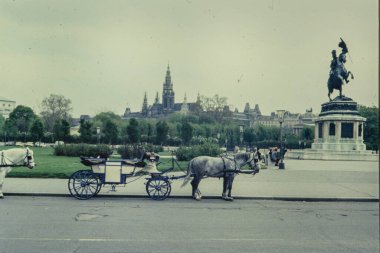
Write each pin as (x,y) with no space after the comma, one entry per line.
(16,157)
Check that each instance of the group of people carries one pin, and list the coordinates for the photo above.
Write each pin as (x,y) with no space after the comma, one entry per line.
(275,154)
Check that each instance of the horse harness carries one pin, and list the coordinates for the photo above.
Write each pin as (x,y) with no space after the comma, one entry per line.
(4,160)
(236,170)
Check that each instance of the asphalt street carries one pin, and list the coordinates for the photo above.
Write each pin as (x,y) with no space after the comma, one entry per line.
(44,224)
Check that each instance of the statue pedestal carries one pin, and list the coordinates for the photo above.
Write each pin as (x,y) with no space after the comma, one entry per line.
(338,134)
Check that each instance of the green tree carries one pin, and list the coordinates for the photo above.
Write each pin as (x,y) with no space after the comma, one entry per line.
(2,124)
(55,108)
(307,133)
(162,130)
(186,132)
(249,136)
(10,131)
(37,130)
(62,130)
(85,131)
(65,130)
(107,116)
(110,132)
(216,106)
(21,119)
(273,133)
(133,131)
(371,127)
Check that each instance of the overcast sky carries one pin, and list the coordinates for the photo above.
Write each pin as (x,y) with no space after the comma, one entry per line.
(104,55)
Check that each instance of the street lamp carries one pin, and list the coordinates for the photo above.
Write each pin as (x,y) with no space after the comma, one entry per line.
(280,114)
(98,133)
(241,128)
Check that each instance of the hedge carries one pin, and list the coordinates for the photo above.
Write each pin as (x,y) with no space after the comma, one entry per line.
(82,150)
(207,149)
(135,151)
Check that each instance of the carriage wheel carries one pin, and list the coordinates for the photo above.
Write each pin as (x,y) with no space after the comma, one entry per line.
(158,188)
(84,184)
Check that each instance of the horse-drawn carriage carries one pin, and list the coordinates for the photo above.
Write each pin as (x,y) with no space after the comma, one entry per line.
(85,184)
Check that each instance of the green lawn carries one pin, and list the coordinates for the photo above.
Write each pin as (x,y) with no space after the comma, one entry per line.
(51,166)
(48,165)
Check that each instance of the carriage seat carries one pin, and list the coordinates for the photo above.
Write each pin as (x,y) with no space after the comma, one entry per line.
(89,161)
(136,163)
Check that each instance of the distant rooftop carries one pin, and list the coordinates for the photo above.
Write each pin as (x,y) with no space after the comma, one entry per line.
(6,99)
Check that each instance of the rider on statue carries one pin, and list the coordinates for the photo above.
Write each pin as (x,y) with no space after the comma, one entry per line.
(338,72)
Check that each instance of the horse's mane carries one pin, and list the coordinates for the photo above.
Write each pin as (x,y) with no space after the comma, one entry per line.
(242,156)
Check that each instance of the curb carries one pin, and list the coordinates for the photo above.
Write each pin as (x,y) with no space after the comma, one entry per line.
(295,199)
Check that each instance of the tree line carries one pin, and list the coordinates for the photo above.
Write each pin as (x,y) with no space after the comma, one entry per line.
(213,124)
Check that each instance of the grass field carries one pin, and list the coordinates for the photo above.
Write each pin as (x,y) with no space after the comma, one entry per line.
(51,166)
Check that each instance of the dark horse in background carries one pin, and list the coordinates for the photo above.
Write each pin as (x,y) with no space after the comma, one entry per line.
(338,73)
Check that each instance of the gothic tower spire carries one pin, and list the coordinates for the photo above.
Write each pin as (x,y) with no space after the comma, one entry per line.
(144,109)
(156,100)
(168,92)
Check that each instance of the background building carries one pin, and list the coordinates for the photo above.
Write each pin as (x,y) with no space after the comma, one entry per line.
(168,105)
(294,122)
(6,106)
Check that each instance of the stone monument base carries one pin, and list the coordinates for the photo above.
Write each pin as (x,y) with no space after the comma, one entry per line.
(338,134)
(319,154)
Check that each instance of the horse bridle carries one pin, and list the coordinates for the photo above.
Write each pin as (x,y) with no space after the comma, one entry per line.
(26,160)
(246,162)
(251,159)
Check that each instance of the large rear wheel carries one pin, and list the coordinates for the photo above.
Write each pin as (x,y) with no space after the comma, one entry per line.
(84,184)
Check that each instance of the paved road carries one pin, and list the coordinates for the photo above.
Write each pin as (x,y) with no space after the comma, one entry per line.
(43,224)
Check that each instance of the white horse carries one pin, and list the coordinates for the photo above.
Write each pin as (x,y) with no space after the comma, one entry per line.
(15,157)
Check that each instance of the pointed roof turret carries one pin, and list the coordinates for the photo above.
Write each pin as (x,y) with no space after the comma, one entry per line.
(247,108)
(257,110)
(144,109)
(198,99)
(185,106)
(156,100)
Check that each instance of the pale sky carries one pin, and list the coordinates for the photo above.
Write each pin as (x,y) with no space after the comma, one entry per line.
(104,55)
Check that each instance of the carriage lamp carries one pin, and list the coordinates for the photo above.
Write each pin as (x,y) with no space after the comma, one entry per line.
(280,114)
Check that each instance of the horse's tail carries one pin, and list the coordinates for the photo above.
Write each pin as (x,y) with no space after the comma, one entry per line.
(188,176)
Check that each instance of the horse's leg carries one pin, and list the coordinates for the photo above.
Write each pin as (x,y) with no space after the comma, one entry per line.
(227,185)
(329,87)
(2,176)
(230,186)
(194,183)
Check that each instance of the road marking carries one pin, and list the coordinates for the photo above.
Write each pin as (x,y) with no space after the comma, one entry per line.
(131,240)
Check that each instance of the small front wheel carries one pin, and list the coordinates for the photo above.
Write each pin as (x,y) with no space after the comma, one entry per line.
(158,188)
(84,184)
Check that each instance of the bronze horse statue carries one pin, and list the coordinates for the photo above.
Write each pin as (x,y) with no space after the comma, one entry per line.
(338,73)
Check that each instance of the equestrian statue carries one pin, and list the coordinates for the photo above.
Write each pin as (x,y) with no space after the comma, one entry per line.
(338,72)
